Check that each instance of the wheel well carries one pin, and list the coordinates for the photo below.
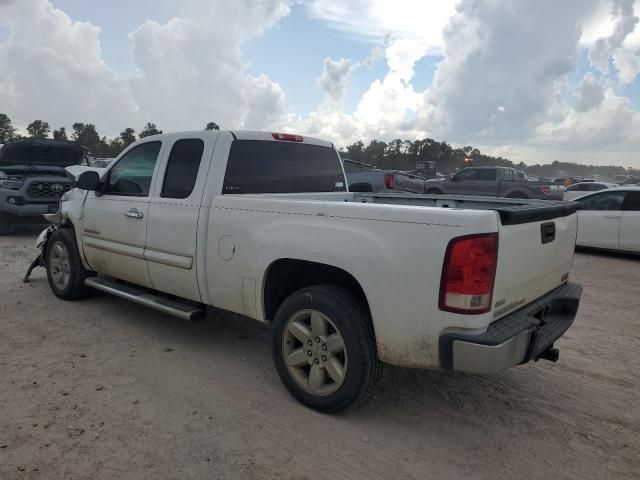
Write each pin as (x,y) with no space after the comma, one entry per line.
(286,276)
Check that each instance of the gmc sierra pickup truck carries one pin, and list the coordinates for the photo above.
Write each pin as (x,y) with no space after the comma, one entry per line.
(495,182)
(33,178)
(263,224)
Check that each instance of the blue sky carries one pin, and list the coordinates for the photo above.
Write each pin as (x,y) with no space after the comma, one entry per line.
(473,72)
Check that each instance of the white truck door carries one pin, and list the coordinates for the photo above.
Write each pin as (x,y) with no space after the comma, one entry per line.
(115,223)
(630,222)
(174,209)
(599,219)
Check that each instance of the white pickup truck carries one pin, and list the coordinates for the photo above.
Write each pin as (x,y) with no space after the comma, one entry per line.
(263,224)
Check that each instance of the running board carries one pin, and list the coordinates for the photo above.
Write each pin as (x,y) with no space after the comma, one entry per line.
(183,310)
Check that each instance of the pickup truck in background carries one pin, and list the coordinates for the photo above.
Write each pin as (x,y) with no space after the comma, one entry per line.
(263,224)
(494,182)
(33,178)
(367,178)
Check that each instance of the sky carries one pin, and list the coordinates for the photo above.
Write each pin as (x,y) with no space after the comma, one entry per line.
(533,81)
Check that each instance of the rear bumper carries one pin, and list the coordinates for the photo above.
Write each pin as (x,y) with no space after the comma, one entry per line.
(517,338)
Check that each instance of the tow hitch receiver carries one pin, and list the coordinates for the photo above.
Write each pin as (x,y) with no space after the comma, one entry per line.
(551,354)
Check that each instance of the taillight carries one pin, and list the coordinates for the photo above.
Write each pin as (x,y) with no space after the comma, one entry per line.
(468,274)
(287,137)
(389,180)
(546,189)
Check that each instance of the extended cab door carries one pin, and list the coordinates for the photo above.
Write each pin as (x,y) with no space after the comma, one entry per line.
(599,219)
(115,222)
(174,210)
(630,222)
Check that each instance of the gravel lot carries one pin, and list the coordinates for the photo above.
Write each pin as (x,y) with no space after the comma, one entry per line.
(104,389)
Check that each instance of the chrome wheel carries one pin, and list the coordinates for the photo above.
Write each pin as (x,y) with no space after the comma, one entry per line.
(59,265)
(314,352)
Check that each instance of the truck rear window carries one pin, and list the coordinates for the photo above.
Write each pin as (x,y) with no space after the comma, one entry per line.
(257,166)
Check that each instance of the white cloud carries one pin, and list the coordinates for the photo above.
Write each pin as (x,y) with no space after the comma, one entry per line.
(588,94)
(624,20)
(189,70)
(334,78)
(613,123)
(51,68)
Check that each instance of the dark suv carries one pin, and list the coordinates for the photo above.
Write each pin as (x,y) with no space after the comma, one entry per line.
(33,178)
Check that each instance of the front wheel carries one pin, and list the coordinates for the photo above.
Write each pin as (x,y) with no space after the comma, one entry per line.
(324,348)
(65,272)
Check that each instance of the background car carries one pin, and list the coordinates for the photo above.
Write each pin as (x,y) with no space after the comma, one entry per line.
(610,219)
(579,189)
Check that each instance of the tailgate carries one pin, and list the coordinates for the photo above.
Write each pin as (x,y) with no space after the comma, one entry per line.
(533,258)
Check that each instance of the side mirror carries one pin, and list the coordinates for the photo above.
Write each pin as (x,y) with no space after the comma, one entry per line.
(361,187)
(88,181)
(454,178)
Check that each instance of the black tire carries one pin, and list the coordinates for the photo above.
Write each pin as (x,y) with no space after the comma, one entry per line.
(74,288)
(4,224)
(345,310)
(434,191)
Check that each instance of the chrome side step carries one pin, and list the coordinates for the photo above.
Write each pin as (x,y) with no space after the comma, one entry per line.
(185,310)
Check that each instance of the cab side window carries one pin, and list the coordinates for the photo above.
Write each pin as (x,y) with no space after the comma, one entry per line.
(182,168)
(132,175)
(603,201)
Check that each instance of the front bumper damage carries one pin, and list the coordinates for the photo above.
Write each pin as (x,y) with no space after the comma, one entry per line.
(525,335)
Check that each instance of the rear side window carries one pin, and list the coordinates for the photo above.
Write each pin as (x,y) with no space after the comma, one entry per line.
(182,168)
(257,166)
(485,174)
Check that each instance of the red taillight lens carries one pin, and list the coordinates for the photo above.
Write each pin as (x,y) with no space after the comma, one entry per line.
(389,180)
(546,189)
(468,274)
(287,137)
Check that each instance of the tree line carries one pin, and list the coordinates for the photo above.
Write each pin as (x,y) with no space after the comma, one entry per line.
(404,154)
(397,154)
(84,133)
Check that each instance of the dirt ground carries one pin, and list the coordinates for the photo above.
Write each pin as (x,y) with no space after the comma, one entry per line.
(103,389)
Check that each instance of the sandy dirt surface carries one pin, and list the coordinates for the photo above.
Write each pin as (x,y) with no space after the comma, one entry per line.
(103,389)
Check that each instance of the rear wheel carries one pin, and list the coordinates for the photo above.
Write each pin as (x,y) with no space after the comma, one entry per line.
(324,348)
(65,272)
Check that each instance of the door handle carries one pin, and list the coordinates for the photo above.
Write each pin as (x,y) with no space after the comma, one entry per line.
(133,213)
(612,217)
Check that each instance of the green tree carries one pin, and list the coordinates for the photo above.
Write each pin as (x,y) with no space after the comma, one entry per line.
(38,129)
(127,137)
(60,134)
(212,126)
(7,132)
(149,129)
(87,135)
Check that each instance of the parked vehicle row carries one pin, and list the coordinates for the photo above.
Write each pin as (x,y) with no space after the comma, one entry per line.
(264,225)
